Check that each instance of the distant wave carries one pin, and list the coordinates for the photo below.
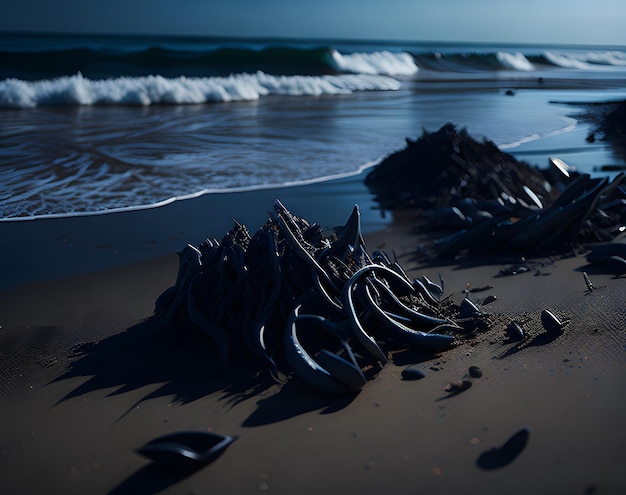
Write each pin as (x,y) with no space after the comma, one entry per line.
(474,62)
(518,61)
(104,58)
(585,60)
(385,62)
(515,61)
(220,61)
(77,90)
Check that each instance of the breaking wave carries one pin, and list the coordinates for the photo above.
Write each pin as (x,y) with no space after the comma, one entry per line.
(77,90)
(586,60)
(385,62)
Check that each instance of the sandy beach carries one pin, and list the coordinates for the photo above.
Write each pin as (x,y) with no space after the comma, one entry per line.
(87,379)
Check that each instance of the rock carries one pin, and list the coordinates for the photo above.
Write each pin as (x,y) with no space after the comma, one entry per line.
(413,373)
(475,372)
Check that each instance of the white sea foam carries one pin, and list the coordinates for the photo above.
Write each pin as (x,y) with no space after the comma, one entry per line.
(613,57)
(568,60)
(381,63)
(515,61)
(587,60)
(569,126)
(98,209)
(142,91)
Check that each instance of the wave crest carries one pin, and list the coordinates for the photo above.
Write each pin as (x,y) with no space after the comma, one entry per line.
(382,63)
(586,60)
(77,90)
(515,61)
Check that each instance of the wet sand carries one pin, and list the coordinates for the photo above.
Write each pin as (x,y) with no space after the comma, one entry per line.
(87,380)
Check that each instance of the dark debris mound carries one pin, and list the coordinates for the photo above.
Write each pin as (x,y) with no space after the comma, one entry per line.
(486,200)
(608,124)
(608,119)
(446,166)
(299,300)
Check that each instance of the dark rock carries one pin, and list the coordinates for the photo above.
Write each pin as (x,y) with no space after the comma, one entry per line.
(413,373)
(475,372)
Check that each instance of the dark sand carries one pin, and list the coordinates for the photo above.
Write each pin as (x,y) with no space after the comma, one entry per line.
(86,381)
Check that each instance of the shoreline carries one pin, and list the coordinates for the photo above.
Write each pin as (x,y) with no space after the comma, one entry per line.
(48,248)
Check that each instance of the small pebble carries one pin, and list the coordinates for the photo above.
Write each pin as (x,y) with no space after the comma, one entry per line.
(475,372)
(413,373)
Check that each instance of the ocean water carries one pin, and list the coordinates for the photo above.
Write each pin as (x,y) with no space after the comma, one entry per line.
(91,124)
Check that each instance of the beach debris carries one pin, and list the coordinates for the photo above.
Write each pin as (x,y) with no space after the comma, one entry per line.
(488,300)
(293,290)
(186,450)
(515,331)
(551,323)
(608,119)
(413,373)
(435,289)
(473,290)
(560,165)
(498,457)
(486,200)
(469,308)
(326,370)
(514,270)
(449,169)
(475,372)
(610,255)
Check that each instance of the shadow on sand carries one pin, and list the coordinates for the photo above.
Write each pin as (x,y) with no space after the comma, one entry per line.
(189,367)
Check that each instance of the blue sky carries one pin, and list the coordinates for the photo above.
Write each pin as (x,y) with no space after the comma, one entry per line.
(519,21)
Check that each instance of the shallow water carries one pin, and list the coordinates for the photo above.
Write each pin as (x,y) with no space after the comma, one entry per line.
(70,157)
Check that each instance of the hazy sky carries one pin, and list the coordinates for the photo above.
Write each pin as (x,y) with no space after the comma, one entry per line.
(529,21)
